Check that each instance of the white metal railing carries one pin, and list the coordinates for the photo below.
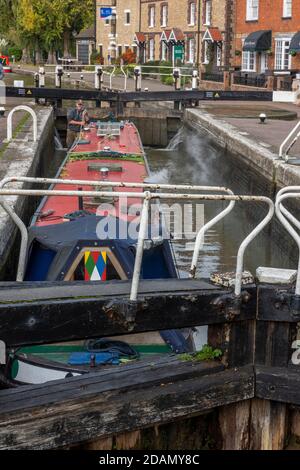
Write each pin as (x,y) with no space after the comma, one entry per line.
(9,121)
(147,196)
(287,219)
(289,142)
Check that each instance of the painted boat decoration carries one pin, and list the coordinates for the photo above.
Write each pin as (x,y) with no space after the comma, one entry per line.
(4,60)
(64,245)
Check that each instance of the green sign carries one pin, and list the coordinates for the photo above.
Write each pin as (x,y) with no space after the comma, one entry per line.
(178,53)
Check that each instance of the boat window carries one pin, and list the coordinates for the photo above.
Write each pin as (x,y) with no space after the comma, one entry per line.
(96,265)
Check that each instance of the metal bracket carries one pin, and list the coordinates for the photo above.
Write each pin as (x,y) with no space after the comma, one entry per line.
(230,305)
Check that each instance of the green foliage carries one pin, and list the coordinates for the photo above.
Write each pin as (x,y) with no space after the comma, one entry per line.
(44,24)
(207,353)
(15,51)
(169,80)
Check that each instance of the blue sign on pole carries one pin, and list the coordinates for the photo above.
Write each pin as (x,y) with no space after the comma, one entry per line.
(105,12)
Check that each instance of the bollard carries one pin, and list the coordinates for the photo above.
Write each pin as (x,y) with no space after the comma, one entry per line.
(37,80)
(138,82)
(177,85)
(37,84)
(195,80)
(98,82)
(177,79)
(58,76)
(138,78)
(42,75)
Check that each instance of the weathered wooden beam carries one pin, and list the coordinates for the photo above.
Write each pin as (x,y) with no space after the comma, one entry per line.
(275,303)
(60,94)
(278,384)
(39,314)
(131,402)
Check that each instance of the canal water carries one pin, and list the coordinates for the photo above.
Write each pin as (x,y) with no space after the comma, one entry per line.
(196,158)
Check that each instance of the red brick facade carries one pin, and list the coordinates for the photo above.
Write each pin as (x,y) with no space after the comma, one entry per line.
(282,17)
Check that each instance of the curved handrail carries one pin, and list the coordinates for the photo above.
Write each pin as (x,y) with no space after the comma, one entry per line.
(147,195)
(200,237)
(125,78)
(111,75)
(283,209)
(283,155)
(289,229)
(9,121)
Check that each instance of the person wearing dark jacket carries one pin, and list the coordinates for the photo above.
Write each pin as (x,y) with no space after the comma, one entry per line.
(77,119)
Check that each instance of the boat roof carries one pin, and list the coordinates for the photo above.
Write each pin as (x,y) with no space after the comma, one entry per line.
(120,152)
(97,139)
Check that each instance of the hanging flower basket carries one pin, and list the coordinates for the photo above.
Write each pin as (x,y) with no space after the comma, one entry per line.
(238,53)
(293,53)
(269,52)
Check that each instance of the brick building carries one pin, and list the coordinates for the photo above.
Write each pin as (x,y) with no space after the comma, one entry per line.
(197,31)
(115,34)
(267,37)
(217,23)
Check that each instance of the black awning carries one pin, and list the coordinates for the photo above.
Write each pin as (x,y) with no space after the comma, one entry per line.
(295,42)
(258,41)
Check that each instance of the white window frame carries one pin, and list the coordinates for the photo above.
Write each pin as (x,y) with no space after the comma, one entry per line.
(208,12)
(287,8)
(164,16)
(192,50)
(252,11)
(151,49)
(152,16)
(219,56)
(192,14)
(249,61)
(283,54)
(164,51)
(125,21)
(206,58)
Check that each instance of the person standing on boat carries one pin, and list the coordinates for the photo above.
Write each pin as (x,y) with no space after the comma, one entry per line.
(77,118)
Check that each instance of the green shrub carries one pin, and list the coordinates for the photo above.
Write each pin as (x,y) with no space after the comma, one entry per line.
(168,80)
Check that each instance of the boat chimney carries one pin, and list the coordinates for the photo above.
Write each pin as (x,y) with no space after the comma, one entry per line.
(104,173)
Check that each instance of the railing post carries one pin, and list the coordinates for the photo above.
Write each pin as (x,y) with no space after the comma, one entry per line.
(270,83)
(138,78)
(140,248)
(177,85)
(58,76)
(37,84)
(42,77)
(226,81)
(138,81)
(98,82)
(195,80)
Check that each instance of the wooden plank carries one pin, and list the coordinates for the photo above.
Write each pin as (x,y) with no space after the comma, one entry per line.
(269,306)
(12,291)
(234,424)
(59,391)
(268,424)
(109,413)
(44,321)
(278,384)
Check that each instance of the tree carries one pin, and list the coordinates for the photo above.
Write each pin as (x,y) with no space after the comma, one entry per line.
(76,15)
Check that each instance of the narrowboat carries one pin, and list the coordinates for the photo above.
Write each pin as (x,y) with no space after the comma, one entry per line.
(66,245)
